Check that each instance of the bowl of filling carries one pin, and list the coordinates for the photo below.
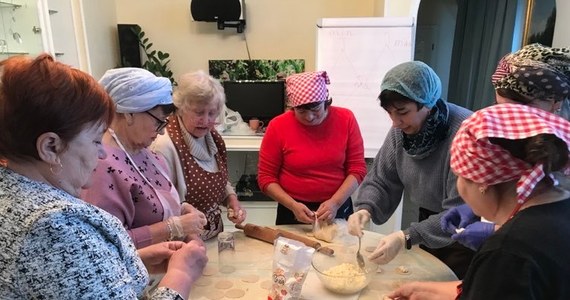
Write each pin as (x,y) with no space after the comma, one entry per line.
(340,273)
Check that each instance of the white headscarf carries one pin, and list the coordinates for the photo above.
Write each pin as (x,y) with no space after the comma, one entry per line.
(136,90)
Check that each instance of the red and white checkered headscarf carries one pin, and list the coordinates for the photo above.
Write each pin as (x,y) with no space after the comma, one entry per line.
(307,88)
(475,158)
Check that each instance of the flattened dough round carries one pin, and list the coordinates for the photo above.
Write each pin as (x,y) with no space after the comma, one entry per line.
(370,249)
(215,295)
(224,284)
(235,293)
(250,278)
(203,281)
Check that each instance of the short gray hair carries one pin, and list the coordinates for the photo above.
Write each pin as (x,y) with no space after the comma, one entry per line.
(198,88)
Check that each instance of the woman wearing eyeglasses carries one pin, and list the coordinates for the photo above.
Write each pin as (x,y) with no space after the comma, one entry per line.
(132,182)
(196,152)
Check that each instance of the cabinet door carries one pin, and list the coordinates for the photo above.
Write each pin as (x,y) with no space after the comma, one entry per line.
(17,37)
(81,33)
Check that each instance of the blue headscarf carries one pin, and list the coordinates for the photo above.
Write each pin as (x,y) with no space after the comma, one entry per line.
(136,90)
(414,80)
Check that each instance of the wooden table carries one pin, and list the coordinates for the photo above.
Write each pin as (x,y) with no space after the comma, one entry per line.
(250,271)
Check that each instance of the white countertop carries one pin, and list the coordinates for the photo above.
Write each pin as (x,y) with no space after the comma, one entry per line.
(242,142)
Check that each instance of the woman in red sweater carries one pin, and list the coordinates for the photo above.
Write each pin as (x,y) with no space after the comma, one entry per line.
(312,157)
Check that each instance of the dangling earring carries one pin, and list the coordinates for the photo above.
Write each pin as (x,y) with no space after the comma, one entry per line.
(482,189)
(60,168)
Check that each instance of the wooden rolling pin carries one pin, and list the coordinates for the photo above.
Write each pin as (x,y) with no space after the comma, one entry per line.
(269,235)
(258,232)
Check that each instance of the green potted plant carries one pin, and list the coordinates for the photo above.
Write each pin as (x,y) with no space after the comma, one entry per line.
(156,61)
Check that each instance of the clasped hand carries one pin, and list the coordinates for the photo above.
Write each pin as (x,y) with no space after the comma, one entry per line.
(474,231)
(192,220)
(236,214)
(161,257)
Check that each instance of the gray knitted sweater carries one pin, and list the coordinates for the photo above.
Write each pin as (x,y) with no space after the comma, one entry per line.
(428,182)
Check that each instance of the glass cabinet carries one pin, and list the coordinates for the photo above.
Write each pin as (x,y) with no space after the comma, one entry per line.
(20,31)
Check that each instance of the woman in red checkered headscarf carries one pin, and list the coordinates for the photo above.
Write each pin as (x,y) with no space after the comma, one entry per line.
(536,76)
(504,156)
(312,157)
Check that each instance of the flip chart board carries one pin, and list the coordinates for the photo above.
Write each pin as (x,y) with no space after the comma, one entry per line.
(357,53)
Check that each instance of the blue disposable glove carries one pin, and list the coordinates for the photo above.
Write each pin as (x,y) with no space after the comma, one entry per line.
(474,235)
(458,217)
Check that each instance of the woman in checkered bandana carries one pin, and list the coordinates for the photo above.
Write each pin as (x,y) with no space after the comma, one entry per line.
(312,157)
(504,156)
(536,76)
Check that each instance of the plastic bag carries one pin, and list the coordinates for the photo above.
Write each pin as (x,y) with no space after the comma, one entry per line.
(291,263)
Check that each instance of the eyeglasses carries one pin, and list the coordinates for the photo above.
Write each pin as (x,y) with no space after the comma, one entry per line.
(160,123)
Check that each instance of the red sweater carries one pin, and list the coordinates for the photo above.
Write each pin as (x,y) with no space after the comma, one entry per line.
(311,162)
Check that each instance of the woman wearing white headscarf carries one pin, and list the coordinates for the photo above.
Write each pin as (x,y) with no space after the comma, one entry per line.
(131,183)
(414,160)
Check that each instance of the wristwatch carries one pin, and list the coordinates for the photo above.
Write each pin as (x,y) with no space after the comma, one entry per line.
(408,241)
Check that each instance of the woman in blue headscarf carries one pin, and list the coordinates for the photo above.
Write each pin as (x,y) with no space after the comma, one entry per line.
(414,160)
(132,182)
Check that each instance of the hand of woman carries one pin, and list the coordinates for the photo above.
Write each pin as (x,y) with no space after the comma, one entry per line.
(155,257)
(303,213)
(236,214)
(185,266)
(426,291)
(327,210)
(192,220)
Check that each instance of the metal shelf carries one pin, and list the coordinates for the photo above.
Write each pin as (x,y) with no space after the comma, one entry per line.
(4,4)
(14,53)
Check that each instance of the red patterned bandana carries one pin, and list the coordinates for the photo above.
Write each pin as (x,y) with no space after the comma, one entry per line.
(307,88)
(475,158)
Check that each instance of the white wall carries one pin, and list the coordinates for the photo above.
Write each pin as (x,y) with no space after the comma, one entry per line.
(275,29)
(562,27)
(100,27)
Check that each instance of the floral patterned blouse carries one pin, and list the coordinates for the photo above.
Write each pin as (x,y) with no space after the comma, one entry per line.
(55,246)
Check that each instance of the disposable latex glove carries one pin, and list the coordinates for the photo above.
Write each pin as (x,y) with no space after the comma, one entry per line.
(475,234)
(357,221)
(388,248)
(458,217)
(191,221)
